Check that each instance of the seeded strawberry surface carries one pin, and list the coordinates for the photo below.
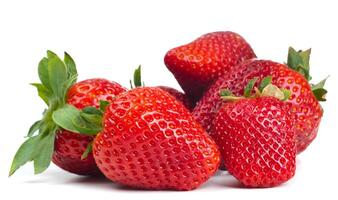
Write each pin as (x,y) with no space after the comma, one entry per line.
(256,140)
(151,141)
(181,97)
(198,64)
(70,146)
(68,150)
(305,108)
(91,91)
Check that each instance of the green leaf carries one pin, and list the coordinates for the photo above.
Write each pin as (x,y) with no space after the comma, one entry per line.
(226,92)
(137,77)
(103,105)
(69,83)
(300,61)
(287,93)
(305,56)
(249,87)
(319,91)
(72,71)
(87,151)
(94,119)
(43,92)
(24,154)
(35,127)
(64,117)
(44,152)
(43,72)
(51,54)
(320,94)
(266,81)
(92,110)
(131,84)
(293,58)
(83,126)
(57,76)
(321,84)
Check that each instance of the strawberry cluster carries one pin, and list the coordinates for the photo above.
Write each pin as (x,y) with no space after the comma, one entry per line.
(254,116)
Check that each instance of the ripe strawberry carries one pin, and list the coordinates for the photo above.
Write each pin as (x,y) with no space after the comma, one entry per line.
(53,143)
(256,140)
(68,150)
(304,99)
(149,140)
(198,64)
(179,96)
(69,146)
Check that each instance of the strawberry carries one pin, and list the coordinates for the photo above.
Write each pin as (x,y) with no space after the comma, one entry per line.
(303,101)
(151,141)
(179,96)
(69,146)
(256,140)
(147,139)
(198,64)
(66,149)
(255,134)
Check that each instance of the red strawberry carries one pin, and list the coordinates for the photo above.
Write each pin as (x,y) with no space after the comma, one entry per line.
(68,150)
(256,140)
(69,146)
(303,100)
(149,140)
(179,96)
(198,64)
(53,143)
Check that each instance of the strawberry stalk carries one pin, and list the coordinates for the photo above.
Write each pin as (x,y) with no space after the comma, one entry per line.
(56,78)
(300,62)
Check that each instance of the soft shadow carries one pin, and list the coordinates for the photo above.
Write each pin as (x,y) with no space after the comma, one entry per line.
(222,180)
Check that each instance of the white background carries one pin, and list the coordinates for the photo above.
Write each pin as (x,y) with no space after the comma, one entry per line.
(109,39)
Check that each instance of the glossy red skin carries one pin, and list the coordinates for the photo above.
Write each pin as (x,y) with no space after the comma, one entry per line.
(256,140)
(198,64)
(305,108)
(68,149)
(69,146)
(151,141)
(179,96)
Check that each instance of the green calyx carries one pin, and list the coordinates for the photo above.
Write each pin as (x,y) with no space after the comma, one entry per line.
(265,88)
(56,78)
(319,91)
(137,78)
(300,62)
(87,121)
